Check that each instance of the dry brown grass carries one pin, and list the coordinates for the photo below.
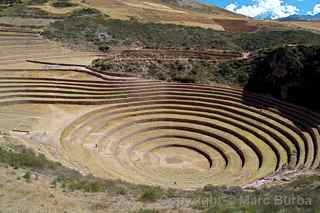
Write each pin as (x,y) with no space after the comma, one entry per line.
(18,47)
(314,25)
(156,11)
(159,12)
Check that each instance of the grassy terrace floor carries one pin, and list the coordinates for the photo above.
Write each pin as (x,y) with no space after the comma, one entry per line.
(138,130)
(97,141)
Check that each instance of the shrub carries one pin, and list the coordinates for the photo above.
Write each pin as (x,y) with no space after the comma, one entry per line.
(23,10)
(104,48)
(288,73)
(10,2)
(37,2)
(155,35)
(86,12)
(61,4)
(86,185)
(27,176)
(185,71)
(25,159)
(151,194)
(232,73)
(146,211)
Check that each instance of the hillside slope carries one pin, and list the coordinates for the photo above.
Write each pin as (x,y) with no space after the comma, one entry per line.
(186,12)
(165,11)
(180,12)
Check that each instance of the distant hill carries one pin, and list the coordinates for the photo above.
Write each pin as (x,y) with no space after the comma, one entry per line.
(186,12)
(166,7)
(195,6)
(315,17)
(179,12)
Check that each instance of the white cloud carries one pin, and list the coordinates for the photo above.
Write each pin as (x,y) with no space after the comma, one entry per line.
(316,10)
(276,8)
(231,7)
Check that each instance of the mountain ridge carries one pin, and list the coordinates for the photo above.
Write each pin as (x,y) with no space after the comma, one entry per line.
(315,17)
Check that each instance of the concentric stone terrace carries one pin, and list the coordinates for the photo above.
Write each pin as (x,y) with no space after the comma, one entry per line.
(178,135)
(18,45)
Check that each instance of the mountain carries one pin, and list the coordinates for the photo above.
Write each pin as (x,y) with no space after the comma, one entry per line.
(315,17)
(181,12)
(186,12)
(190,13)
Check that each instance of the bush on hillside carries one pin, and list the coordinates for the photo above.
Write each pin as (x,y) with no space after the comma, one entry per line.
(272,39)
(154,35)
(37,2)
(22,10)
(288,73)
(184,71)
(62,4)
(86,12)
(10,2)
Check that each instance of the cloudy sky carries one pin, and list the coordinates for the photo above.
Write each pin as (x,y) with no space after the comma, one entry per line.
(275,8)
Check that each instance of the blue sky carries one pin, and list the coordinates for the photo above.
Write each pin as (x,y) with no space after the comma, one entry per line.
(274,8)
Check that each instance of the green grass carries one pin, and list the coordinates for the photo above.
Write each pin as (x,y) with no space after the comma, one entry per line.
(23,10)
(69,179)
(151,194)
(21,157)
(25,158)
